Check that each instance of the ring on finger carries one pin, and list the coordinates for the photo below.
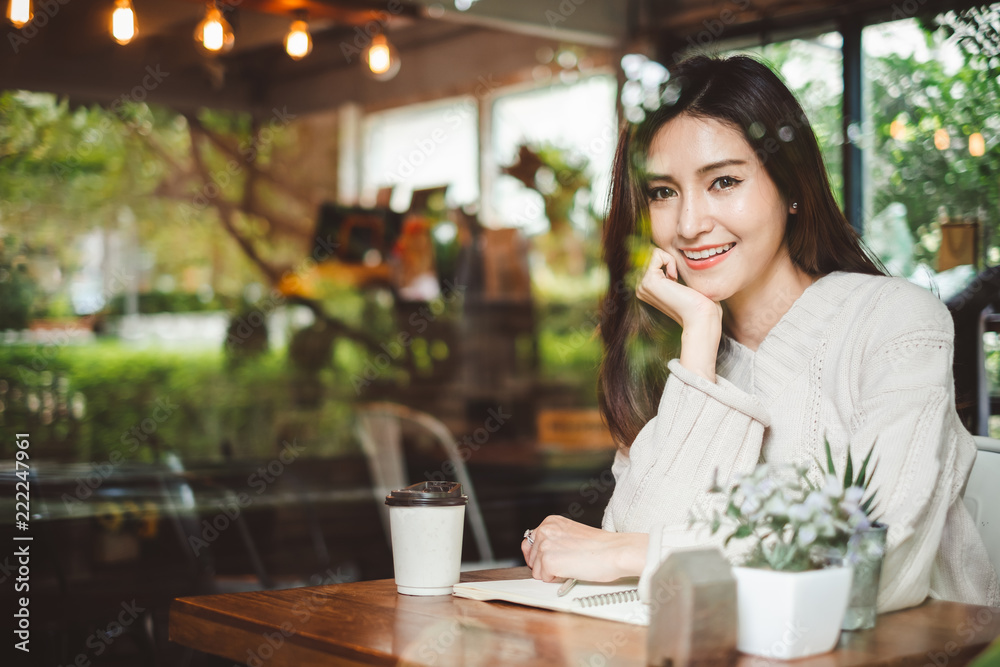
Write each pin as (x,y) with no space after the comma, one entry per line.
(529,535)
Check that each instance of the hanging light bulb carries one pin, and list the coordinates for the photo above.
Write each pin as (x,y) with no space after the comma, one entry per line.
(977,145)
(298,42)
(941,139)
(19,12)
(214,34)
(381,58)
(897,129)
(123,23)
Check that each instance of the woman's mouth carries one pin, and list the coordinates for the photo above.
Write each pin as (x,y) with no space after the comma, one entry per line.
(703,258)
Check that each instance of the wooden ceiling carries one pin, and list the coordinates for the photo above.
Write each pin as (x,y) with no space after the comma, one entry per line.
(444,51)
(672,26)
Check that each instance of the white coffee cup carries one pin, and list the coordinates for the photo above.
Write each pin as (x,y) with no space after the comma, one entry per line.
(426,524)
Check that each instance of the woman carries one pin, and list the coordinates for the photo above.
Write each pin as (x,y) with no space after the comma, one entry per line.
(789,333)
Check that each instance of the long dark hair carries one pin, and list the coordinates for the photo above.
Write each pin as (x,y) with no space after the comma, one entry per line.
(744,94)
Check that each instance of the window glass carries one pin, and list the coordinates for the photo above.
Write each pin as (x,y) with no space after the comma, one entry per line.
(931,140)
(813,70)
(932,113)
(423,146)
(577,120)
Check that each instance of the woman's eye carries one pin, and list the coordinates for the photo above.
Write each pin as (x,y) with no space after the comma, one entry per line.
(660,193)
(726,182)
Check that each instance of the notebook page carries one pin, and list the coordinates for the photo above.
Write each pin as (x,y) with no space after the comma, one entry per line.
(535,593)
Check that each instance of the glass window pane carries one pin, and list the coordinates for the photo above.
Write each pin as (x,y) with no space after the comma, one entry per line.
(578,118)
(933,119)
(423,146)
(813,69)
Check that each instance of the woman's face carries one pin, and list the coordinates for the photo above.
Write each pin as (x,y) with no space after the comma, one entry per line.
(714,207)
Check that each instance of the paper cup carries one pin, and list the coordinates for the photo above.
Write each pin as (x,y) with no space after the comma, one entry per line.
(426,523)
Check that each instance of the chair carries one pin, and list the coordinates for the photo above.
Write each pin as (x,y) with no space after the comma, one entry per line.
(379,429)
(982,495)
(179,498)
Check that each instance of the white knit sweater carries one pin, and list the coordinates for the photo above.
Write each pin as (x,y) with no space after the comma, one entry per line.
(855,358)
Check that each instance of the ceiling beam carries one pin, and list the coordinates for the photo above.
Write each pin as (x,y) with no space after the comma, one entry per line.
(468,61)
(677,26)
(591,22)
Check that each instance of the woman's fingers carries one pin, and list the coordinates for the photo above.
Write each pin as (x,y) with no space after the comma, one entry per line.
(538,549)
(699,316)
(661,267)
(666,262)
(526,549)
(661,272)
(659,287)
(564,548)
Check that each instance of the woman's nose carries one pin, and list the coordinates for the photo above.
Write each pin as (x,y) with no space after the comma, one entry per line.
(694,219)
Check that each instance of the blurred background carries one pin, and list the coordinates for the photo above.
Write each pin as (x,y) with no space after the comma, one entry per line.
(262,261)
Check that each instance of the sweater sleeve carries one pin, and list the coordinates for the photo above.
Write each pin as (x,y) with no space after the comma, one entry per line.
(700,428)
(922,454)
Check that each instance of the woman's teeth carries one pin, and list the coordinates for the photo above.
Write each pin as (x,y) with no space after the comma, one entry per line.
(704,254)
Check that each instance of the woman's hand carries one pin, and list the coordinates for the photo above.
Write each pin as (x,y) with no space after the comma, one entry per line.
(700,317)
(566,549)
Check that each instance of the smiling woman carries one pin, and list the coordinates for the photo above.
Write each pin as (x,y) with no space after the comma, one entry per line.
(790,336)
(739,157)
(716,210)
(705,212)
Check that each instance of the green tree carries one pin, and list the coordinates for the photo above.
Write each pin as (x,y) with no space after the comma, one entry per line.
(804,62)
(911,101)
(229,190)
(66,171)
(921,97)
(17,289)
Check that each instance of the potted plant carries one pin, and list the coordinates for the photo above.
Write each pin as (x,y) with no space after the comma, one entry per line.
(803,533)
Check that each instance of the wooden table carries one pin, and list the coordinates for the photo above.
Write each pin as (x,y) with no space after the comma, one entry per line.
(367,623)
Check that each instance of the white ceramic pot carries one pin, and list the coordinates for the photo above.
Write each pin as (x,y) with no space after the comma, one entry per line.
(790,615)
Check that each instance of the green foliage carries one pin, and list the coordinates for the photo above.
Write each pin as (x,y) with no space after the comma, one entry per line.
(83,403)
(819,96)
(571,357)
(66,171)
(975,30)
(172,302)
(794,523)
(861,481)
(988,658)
(563,181)
(61,165)
(924,97)
(17,288)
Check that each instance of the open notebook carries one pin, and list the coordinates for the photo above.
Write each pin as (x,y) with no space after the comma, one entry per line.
(616,601)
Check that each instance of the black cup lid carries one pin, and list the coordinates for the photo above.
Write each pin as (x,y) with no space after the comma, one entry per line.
(428,494)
